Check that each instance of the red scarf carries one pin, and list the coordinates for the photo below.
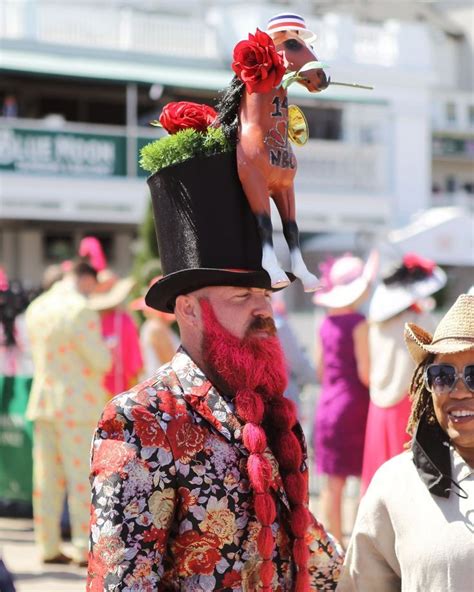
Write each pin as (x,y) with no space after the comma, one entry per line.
(254,368)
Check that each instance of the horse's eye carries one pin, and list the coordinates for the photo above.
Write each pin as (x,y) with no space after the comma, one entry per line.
(292,44)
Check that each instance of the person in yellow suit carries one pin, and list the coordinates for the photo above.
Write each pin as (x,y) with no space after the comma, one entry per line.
(66,400)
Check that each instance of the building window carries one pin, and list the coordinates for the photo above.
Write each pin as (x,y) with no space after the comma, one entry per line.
(451,112)
(58,247)
(470,115)
(324,123)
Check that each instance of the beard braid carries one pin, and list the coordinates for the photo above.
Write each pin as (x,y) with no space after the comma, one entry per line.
(254,369)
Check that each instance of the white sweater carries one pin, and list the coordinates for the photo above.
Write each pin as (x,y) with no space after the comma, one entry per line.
(406,539)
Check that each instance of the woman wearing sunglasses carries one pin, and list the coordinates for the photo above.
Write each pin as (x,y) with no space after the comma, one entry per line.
(415,526)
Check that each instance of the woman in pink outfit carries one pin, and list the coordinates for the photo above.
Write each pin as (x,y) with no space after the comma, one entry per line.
(397,300)
(343,368)
(120,333)
(118,327)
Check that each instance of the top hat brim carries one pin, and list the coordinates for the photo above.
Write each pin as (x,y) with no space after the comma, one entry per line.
(162,294)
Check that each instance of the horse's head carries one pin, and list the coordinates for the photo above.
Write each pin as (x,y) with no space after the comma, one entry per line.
(296,54)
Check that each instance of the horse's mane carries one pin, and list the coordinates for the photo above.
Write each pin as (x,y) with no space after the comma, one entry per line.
(228,109)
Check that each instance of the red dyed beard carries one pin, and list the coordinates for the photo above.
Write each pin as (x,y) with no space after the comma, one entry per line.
(233,364)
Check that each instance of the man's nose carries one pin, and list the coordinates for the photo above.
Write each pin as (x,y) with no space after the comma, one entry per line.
(263,307)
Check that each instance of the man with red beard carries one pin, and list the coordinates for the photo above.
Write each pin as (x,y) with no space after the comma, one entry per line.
(199,474)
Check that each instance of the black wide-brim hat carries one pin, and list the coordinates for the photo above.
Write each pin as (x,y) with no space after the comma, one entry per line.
(207,234)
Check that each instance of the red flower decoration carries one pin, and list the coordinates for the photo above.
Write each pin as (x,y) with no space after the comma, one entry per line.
(257,63)
(147,427)
(232,579)
(412,261)
(186,438)
(184,115)
(111,424)
(111,457)
(196,553)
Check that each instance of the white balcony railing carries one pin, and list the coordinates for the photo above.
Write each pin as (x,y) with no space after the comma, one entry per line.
(340,167)
(107,27)
(208,32)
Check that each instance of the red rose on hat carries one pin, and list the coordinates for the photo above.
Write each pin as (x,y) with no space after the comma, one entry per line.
(257,63)
(185,115)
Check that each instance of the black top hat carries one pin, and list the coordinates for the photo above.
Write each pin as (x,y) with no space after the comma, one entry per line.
(207,233)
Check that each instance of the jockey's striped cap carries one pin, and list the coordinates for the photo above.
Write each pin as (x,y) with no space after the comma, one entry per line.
(289,21)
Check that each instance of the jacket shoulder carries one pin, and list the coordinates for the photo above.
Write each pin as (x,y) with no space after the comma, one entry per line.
(161,394)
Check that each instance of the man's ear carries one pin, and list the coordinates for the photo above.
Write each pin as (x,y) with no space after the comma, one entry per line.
(188,310)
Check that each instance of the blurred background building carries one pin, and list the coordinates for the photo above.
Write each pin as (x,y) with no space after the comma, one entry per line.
(81,80)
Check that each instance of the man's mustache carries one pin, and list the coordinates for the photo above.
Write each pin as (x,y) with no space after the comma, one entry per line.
(262,324)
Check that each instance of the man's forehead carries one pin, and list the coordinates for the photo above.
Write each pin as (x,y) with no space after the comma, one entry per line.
(225,291)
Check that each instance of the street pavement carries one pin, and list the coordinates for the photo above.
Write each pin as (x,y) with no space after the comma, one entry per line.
(21,556)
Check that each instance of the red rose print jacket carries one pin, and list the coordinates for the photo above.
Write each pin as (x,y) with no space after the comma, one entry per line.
(171,504)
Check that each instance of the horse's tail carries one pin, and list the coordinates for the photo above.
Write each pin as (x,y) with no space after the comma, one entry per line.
(228,109)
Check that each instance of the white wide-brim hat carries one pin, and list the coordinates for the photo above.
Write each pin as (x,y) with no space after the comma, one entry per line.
(388,301)
(117,294)
(350,278)
(289,21)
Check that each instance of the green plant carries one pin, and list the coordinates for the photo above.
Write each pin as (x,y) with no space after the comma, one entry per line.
(182,146)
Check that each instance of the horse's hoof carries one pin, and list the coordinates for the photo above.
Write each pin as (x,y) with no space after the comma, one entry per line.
(280,283)
(311,284)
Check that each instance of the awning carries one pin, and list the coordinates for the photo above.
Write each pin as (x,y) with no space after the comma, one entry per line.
(53,62)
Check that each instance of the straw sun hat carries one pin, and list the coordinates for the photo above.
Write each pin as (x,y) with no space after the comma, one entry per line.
(455,332)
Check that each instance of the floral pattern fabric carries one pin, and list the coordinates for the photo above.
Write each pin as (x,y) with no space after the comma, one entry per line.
(171,504)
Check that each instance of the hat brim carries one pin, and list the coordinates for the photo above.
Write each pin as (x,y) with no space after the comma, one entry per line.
(420,346)
(388,301)
(308,36)
(162,295)
(341,296)
(347,294)
(115,296)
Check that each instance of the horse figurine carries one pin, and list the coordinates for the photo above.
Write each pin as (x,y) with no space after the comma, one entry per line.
(257,124)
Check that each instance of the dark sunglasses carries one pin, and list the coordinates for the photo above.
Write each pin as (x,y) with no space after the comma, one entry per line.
(442,378)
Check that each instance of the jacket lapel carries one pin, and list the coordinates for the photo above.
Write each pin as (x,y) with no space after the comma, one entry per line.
(205,399)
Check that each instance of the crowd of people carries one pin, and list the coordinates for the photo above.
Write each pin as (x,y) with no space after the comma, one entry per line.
(81,343)
(197,477)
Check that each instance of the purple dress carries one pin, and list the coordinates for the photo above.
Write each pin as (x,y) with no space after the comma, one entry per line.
(342,409)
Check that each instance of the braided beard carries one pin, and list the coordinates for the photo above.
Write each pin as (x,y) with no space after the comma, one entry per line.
(255,363)
(254,369)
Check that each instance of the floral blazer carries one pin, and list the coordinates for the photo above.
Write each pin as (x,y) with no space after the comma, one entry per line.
(171,504)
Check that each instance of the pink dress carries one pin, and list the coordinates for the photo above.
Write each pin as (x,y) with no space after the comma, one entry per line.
(120,332)
(341,413)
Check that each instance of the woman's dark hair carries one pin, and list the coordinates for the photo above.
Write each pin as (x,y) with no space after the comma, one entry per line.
(421,399)
(82,268)
(13,301)
(228,110)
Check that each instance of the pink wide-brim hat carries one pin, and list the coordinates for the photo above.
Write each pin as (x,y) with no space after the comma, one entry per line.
(346,281)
